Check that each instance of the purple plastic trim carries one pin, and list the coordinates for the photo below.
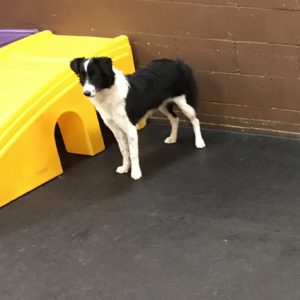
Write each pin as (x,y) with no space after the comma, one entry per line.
(10,35)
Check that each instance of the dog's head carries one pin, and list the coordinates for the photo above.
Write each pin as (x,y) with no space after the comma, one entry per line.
(95,74)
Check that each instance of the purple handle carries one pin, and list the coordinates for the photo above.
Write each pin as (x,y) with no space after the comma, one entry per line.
(10,35)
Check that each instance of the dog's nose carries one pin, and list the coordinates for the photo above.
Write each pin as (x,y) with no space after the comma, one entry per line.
(87,93)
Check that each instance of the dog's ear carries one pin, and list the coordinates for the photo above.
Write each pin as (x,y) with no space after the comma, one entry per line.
(106,65)
(76,63)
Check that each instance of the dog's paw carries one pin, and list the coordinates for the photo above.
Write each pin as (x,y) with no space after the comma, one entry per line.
(122,169)
(136,174)
(200,144)
(170,140)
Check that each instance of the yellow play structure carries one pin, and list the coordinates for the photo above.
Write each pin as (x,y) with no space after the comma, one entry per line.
(38,90)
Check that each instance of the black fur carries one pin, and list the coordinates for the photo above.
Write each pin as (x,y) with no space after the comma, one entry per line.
(149,87)
(160,80)
(170,108)
(99,72)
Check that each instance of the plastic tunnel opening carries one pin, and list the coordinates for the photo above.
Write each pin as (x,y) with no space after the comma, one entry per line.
(67,158)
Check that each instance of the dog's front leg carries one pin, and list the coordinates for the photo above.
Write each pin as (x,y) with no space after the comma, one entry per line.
(123,145)
(132,137)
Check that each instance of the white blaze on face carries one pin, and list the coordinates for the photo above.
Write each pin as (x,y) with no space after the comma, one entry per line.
(88,89)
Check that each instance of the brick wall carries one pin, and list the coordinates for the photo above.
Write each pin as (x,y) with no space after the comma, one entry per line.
(245,53)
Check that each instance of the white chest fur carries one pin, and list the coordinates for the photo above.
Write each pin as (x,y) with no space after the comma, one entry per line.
(110,103)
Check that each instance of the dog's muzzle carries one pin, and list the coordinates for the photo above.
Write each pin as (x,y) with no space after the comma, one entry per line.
(87,93)
(89,90)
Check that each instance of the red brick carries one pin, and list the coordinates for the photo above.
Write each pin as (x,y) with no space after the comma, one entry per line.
(249,90)
(268,60)
(148,47)
(271,4)
(199,53)
(286,94)
(276,122)
(283,27)
(235,89)
(248,112)
(165,18)
(208,55)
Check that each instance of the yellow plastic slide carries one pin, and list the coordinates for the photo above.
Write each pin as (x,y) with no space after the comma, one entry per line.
(38,90)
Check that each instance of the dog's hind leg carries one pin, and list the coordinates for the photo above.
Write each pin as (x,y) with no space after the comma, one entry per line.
(190,113)
(123,145)
(167,110)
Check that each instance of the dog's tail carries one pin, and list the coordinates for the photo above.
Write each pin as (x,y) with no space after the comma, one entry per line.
(190,85)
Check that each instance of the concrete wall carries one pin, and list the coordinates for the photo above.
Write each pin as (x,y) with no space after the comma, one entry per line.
(245,53)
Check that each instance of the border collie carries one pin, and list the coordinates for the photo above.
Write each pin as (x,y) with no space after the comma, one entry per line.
(123,101)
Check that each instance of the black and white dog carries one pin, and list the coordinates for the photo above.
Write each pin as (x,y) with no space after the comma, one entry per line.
(123,101)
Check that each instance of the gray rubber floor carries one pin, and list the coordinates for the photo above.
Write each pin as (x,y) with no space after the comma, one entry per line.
(219,223)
